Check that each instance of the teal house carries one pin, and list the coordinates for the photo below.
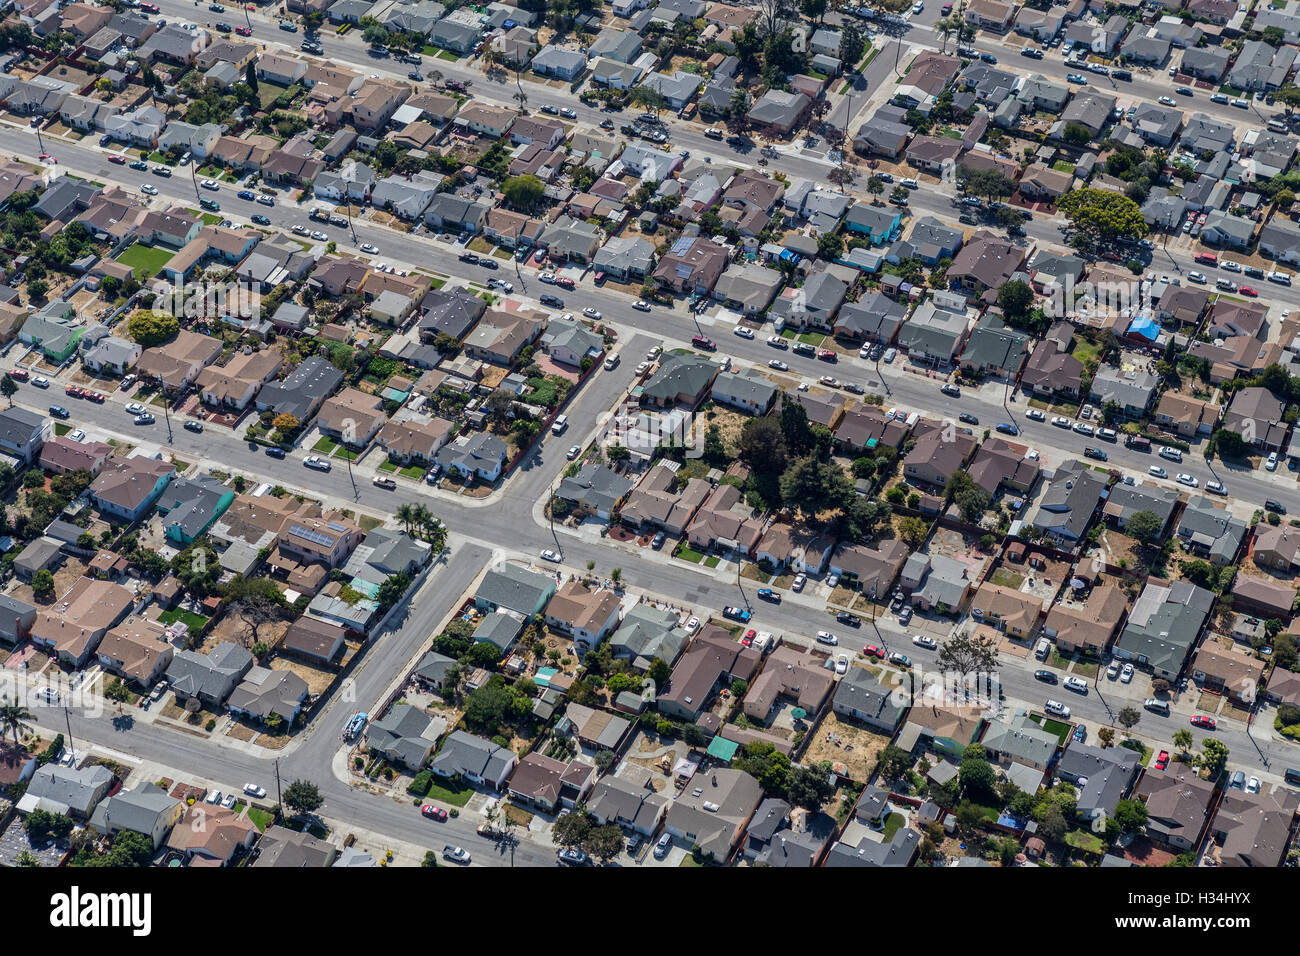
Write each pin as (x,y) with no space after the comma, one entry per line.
(190,506)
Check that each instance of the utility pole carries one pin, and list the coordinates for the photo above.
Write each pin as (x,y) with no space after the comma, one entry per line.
(67,722)
(194,176)
(278,798)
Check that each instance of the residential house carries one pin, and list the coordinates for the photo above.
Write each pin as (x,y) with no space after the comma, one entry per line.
(1163,626)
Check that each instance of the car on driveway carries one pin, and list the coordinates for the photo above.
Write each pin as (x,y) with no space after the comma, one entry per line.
(799,581)
(1126,674)
(1162,760)
(658,541)
(434,813)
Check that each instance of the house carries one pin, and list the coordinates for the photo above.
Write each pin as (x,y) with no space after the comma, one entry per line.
(451,212)
(500,336)
(112,354)
(513,588)
(792,674)
(352,417)
(1266,597)
(725,522)
(875,318)
(681,379)
(1101,777)
(1006,609)
(748,288)
(648,632)
(572,240)
(1020,741)
(935,582)
(547,784)
(73,626)
(1209,531)
(1232,671)
(1125,501)
(1067,506)
(1261,67)
(1050,371)
(860,696)
(995,348)
(234,385)
(481,455)
(693,264)
(595,488)
(1276,546)
(586,615)
(138,650)
(1252,829)
(795,547)
(714,657)
(622,46)
(559,63)
(1224,229)
(456,35)
(1163,626)
(147,809)
(1178,805)
(946,730)
(414,441)
(282,847)
(625,258)
(178,363)
(209,677)
(210,836)
(315,641)
(1086,625)
(1257,416)
(937,456)
(475,759)
(884,134)
(67,791)
(405,197)
(406,735)
(878,225)
(992,15)
(658,502)
(16,619)
(23,434)
(985,263)
(714,813)
(748,390)
(628,800)
(777,113)
(302,392)
(449,312)
(1186,416)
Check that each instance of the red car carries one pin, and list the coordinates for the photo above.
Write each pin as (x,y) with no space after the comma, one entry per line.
(95,397)
(826,355)
(1111,256)
(434,813)
(20,374)
(872,651)
(1200,720)
(748,639)
(73,391)
(244,31)
(1162,760)
(118,159)
(1248,291)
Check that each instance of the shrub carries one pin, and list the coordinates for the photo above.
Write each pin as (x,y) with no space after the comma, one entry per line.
(420,785)
(211,724)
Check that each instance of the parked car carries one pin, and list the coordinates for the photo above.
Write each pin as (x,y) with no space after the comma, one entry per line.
(1126,674)
(852,620)
(1056,708)
(921,640)
(826,637)
(550,554)
(1076,684)
(734,613)
(455,854)
(1046,676)
(799,581)
(192,425)
(434,812)
(658,541)
(1204,722)
(316,462)
(662,847)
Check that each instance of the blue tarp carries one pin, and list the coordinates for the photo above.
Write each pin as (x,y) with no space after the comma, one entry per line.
(1146,327)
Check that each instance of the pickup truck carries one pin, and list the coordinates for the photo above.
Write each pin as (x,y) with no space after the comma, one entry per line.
(381,481)
(736,614)
(767,594)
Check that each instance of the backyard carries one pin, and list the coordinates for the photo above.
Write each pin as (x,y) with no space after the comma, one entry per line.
(145,260)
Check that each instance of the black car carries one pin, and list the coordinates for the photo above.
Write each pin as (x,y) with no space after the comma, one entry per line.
(58,411)
(554,301)
(275,452)
(852,620)
(192,426)
(1271,505)
(261,220)
(1096,453)
(1047,677)
(469,257)
(488,264)
(968,419)
(223,27)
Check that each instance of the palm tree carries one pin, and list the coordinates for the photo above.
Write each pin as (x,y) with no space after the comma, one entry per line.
(419,517)
(522,97)
(1183,740)
(406,515)
(436,532)
(15,718)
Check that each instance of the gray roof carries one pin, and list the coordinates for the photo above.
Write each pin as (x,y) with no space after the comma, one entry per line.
(614,798)
(624,253)
(594,485)
(464,753)
(314,380)
(433,667)
(499,629)
(749,387)
(1070,499)
(75,790)
(875,314)
(481,450)
(679,375)
(648,632)
(515,588)
(403,733)
(1164,623)
(1212,528)
(191,503)
(385,552)
(136,810)
(450,311)
(264,692)
(1124,501)
(994,344)
(860,691)
(897,852)
(211,675)
(1021,739)
(1102,777)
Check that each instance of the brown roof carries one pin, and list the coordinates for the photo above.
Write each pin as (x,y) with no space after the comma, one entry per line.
(1238,671)
(1265,592)
(173,361)
(1091,624)
(313,638)
(410,437)
(582,608)
(210,831)
(714,652)
(987,259)
(128,482)
(82,615)
(1016,609)
(61,454)
(542,778)
(352,405)
(138,643)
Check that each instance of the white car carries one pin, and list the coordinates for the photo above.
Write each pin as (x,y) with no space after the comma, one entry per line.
(133,408)
(653,353)
(1060,421)
(547,277)
(1126,674)
(213,797)
(1198,277)
(641,305)
(550,554)
(799,581)
(826,637)
(40,381)
(1252,785)
(1157,471)
(253,790)
(228,801)
(568,112)
(692,625)
(1035,415)
(77,435)
(842,664)
(318,235)
(210,184)
(778,365)
(1271,464)
(1186,479)
(369,249)
(1229,266)
(149,189)
(1056,708)
(1167,101)
(316,463)
(591,313)
(1112,671)
(918,6)
(920,640)
(1083,428)
(744,333)
(1032,454)
(1076,684)
(1216,488)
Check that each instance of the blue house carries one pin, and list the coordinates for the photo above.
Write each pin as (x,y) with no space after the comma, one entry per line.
(191,506)
(878,225)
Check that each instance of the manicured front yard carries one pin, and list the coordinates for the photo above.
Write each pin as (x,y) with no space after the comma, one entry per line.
(194,622)
(457,797)
(687,554)
(261,818)
(147,261)
(388,466)
(414,472)
(325,444)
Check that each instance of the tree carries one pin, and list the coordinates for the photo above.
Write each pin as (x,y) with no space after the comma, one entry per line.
(1053,826)
(523,192)
(970,817)
(762,445)
(150,328)
(893,762)
(912,531)
(659,671)
(285,423)
(799,436)
(829,245)
(8,388)
(809,787)
(969,654)
(1103,214)
(43,585)
(392,589)
(302,796)
(815,486)
(1129,717)
(852,46)
(1015,298)
(1183,740)
(1145,527)
(1214,756)
(976,776)
(767,765)
(117,691)
(1131,815)
(604,843)
(571,829)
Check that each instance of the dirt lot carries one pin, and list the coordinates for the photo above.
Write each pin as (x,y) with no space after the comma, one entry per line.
(64,578)
(860,760)
(1118,550)
(232,628)
(318,681)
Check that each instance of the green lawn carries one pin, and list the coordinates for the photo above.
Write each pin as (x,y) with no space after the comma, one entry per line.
(388,466)
(1084,840)
(812,338)
(412,471)
(1063,166)
(62,429)
(1085,351)
(448,56)
(687,554)
(1004,577)
(346,454)
(147,261)
(1052,726)
(711,561)
(193,621)
(268,93)
(453,792)
(325,444)
(893,823)
(261,819)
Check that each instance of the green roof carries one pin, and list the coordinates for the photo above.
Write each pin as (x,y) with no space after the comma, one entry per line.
(722,749)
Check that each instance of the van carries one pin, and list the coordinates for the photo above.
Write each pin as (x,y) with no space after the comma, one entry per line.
(713,133)
(560,424)
(1156,706)
(1277,126)
(663,846)
(1138,442)
(611,361)
(1281,278)
(1107,434)
(1173,454)
(1207,258)
(1043,649)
